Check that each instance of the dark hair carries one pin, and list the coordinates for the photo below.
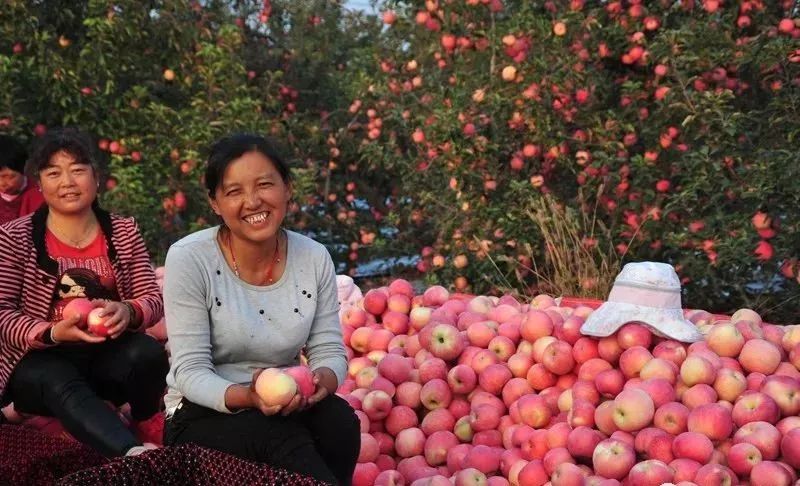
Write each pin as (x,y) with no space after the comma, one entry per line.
(230,148)
(12,153)
(69,140)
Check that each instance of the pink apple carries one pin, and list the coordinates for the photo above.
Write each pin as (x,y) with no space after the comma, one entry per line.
(755,407)
(354,317)
(659,389)
(790,448)
(434,296)
(557,358)
(696,369)
(514,389)
(463,430)
(78,307)
(715,474)
(399,418)
(494,377)
(729,384)
(582,441)
(365,474)
(659,368)
(760,355)
(445,341)
(275,388)
(700,394)
(435,394)
(462,379)
(651,472)
(536,324)
(633,359)
(436,446)
(369,449)
(410,442)
(633,410)
(502,347)
(395,368)
(304,378)
(532,473)
(672,418)
(788,423)
(609,349)
(712,420)
(408,394)
(483,358)
(631,335)
(390,478)
(376,404)
(431,368)
(742,457)
(540,377)
(725,340)
(604,417)
(671,351)
(609,382)
(519,364)
(554,457)
(685,469)
(786,393)
(694,446)
(375,302)
(481,333)
(419,317)
(534,411)
(436,420)
(770,473)
(592,367)
(764,436)
(360,339)
(96,322)
(567,474)
(613,459)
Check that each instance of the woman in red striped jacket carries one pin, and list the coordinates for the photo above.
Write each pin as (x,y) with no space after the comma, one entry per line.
(70,248)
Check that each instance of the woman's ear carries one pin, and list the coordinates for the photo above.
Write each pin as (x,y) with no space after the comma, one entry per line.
(214,205)
(289,192)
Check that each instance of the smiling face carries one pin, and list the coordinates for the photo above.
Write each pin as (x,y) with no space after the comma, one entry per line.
(252,198)
(69,187)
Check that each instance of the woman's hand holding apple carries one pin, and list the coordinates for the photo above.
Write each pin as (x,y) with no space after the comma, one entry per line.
(69,331)
(109,318)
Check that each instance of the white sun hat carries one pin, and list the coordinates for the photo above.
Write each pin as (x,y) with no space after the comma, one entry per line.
(647,293)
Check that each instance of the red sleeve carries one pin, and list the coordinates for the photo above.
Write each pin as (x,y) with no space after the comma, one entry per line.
(31,200)
(17,329)
(146,296)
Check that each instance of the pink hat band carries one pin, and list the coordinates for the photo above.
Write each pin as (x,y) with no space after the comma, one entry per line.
(645,295)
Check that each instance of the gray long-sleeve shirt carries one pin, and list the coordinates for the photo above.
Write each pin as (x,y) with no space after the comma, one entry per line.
(221,328)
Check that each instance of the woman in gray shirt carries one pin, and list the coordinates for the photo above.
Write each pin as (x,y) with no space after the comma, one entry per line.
(249,295)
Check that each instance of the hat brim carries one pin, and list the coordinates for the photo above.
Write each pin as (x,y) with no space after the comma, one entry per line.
(610,316)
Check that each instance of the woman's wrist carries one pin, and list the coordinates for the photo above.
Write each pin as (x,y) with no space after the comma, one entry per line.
(49,336)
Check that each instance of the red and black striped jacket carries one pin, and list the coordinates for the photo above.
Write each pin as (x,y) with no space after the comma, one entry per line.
(28,278)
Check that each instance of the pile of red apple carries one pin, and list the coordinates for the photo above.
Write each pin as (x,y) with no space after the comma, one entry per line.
(454,389)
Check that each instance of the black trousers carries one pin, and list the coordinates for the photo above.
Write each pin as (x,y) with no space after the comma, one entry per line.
(322,441)
(71,382)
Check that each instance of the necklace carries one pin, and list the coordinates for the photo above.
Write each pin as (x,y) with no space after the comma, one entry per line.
(275,258)
(76,243)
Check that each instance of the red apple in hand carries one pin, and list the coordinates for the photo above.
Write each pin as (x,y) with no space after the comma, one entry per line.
(304,378)
(97,322)
(79,307)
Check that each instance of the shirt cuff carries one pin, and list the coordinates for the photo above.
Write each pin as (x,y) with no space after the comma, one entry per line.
(36,336)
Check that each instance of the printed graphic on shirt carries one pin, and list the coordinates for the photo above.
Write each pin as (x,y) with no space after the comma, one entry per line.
(90,278)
